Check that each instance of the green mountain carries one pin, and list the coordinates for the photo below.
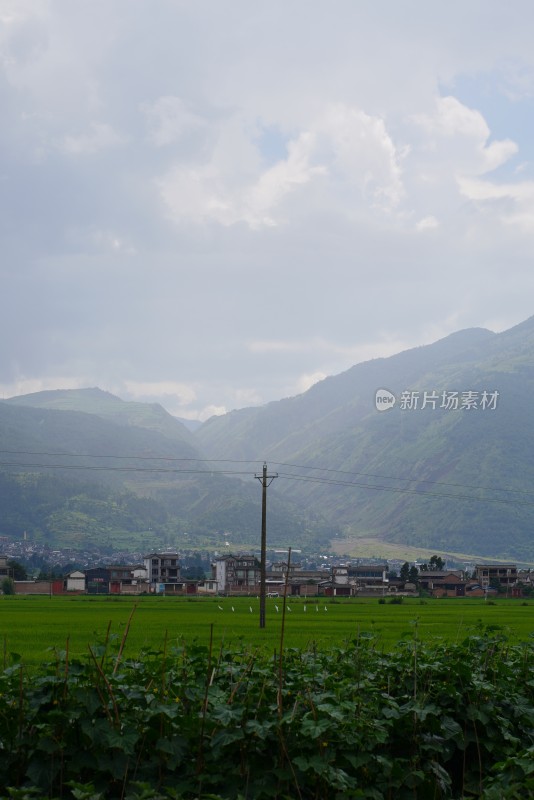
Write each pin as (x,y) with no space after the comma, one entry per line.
(80,467)
(445,479)
(84,468)
(149,416)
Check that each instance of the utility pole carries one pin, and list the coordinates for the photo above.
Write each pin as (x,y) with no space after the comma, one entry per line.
(266,481)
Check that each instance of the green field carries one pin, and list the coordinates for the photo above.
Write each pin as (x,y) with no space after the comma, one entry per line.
(30,626)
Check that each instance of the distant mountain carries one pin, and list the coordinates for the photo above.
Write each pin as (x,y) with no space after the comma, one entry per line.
(339,440)
(82,468)
(85,466)
(102,404)
(190,424)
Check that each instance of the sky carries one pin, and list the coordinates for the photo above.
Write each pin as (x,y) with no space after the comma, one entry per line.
(213,204)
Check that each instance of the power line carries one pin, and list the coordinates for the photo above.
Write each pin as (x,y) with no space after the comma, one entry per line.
(95,468)
(406,480)
(400,490)
(15,465)
(172,459)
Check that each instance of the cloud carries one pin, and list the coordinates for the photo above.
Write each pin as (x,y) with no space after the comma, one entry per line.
(461,135)
(181,394)
(210,210)
(345,152)
(306,381)
(513,203)
(100,136)
(23,385)
(427,223)
(169,119)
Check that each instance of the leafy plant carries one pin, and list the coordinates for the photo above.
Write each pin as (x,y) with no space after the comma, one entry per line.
(194,721)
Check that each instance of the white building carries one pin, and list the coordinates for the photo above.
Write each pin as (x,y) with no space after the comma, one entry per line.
(75,581)
(162,568)
(237,573)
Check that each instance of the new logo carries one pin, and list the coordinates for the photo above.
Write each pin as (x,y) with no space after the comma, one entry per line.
(384,400)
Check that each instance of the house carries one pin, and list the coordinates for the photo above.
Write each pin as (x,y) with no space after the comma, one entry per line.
(237,574)
(303,582)
(75,581)
(116,579)
(443,583)
(354,579)
(162,569)
(208,586)
(97,580)
(498,574)
(5,571)
(128,579)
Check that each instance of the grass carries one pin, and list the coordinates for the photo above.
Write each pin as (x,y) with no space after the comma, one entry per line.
(30,626)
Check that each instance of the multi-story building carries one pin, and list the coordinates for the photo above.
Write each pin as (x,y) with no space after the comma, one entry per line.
(237,573)
(5,571)
(357,578)
(504,574)
(162,568)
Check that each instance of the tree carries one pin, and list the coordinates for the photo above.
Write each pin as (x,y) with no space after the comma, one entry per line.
(413,574)
(18,570)
(7,586)
(436,563)
(405,572)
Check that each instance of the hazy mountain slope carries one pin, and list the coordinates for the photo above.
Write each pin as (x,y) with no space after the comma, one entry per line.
(281,428)
(335,426)
(75,479)
(24,428)
(151,416)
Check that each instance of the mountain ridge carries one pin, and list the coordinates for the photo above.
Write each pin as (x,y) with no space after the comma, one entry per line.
(435,477)
(335,427)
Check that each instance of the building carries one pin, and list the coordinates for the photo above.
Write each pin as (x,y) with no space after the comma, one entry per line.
(5,571)
(75,581)
(237,574)
(162,570)
(353,579)
(97,580)
(498,574)
(116,579)
(443,583)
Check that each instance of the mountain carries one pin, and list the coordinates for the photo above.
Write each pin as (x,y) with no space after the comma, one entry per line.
(150,416)
(436,478)
(84,468)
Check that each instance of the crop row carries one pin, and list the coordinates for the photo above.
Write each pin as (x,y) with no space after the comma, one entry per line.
(433,720)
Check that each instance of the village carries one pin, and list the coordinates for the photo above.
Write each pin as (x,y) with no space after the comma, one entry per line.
(161,573)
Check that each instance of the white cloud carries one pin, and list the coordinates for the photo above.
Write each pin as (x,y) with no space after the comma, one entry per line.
(427,223)
(460,136)
(177,394)
(169,119)
(348,151)
(286,205)
(308,380)
(32,385)
(512,203)
(364,154)
(211,411)
(100,136)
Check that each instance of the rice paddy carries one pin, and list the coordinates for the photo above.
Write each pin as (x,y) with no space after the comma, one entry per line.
(34,626)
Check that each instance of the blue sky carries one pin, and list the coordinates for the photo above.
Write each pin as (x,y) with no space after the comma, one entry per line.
(215,203)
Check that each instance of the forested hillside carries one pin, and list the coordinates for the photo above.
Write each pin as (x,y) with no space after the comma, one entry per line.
(449,467)
(79,479)
(442,477)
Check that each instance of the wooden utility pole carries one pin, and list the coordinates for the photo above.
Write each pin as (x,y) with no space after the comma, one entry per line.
(266,481)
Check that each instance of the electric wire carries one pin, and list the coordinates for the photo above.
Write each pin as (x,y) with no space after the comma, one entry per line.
(172,459)
(287,475)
